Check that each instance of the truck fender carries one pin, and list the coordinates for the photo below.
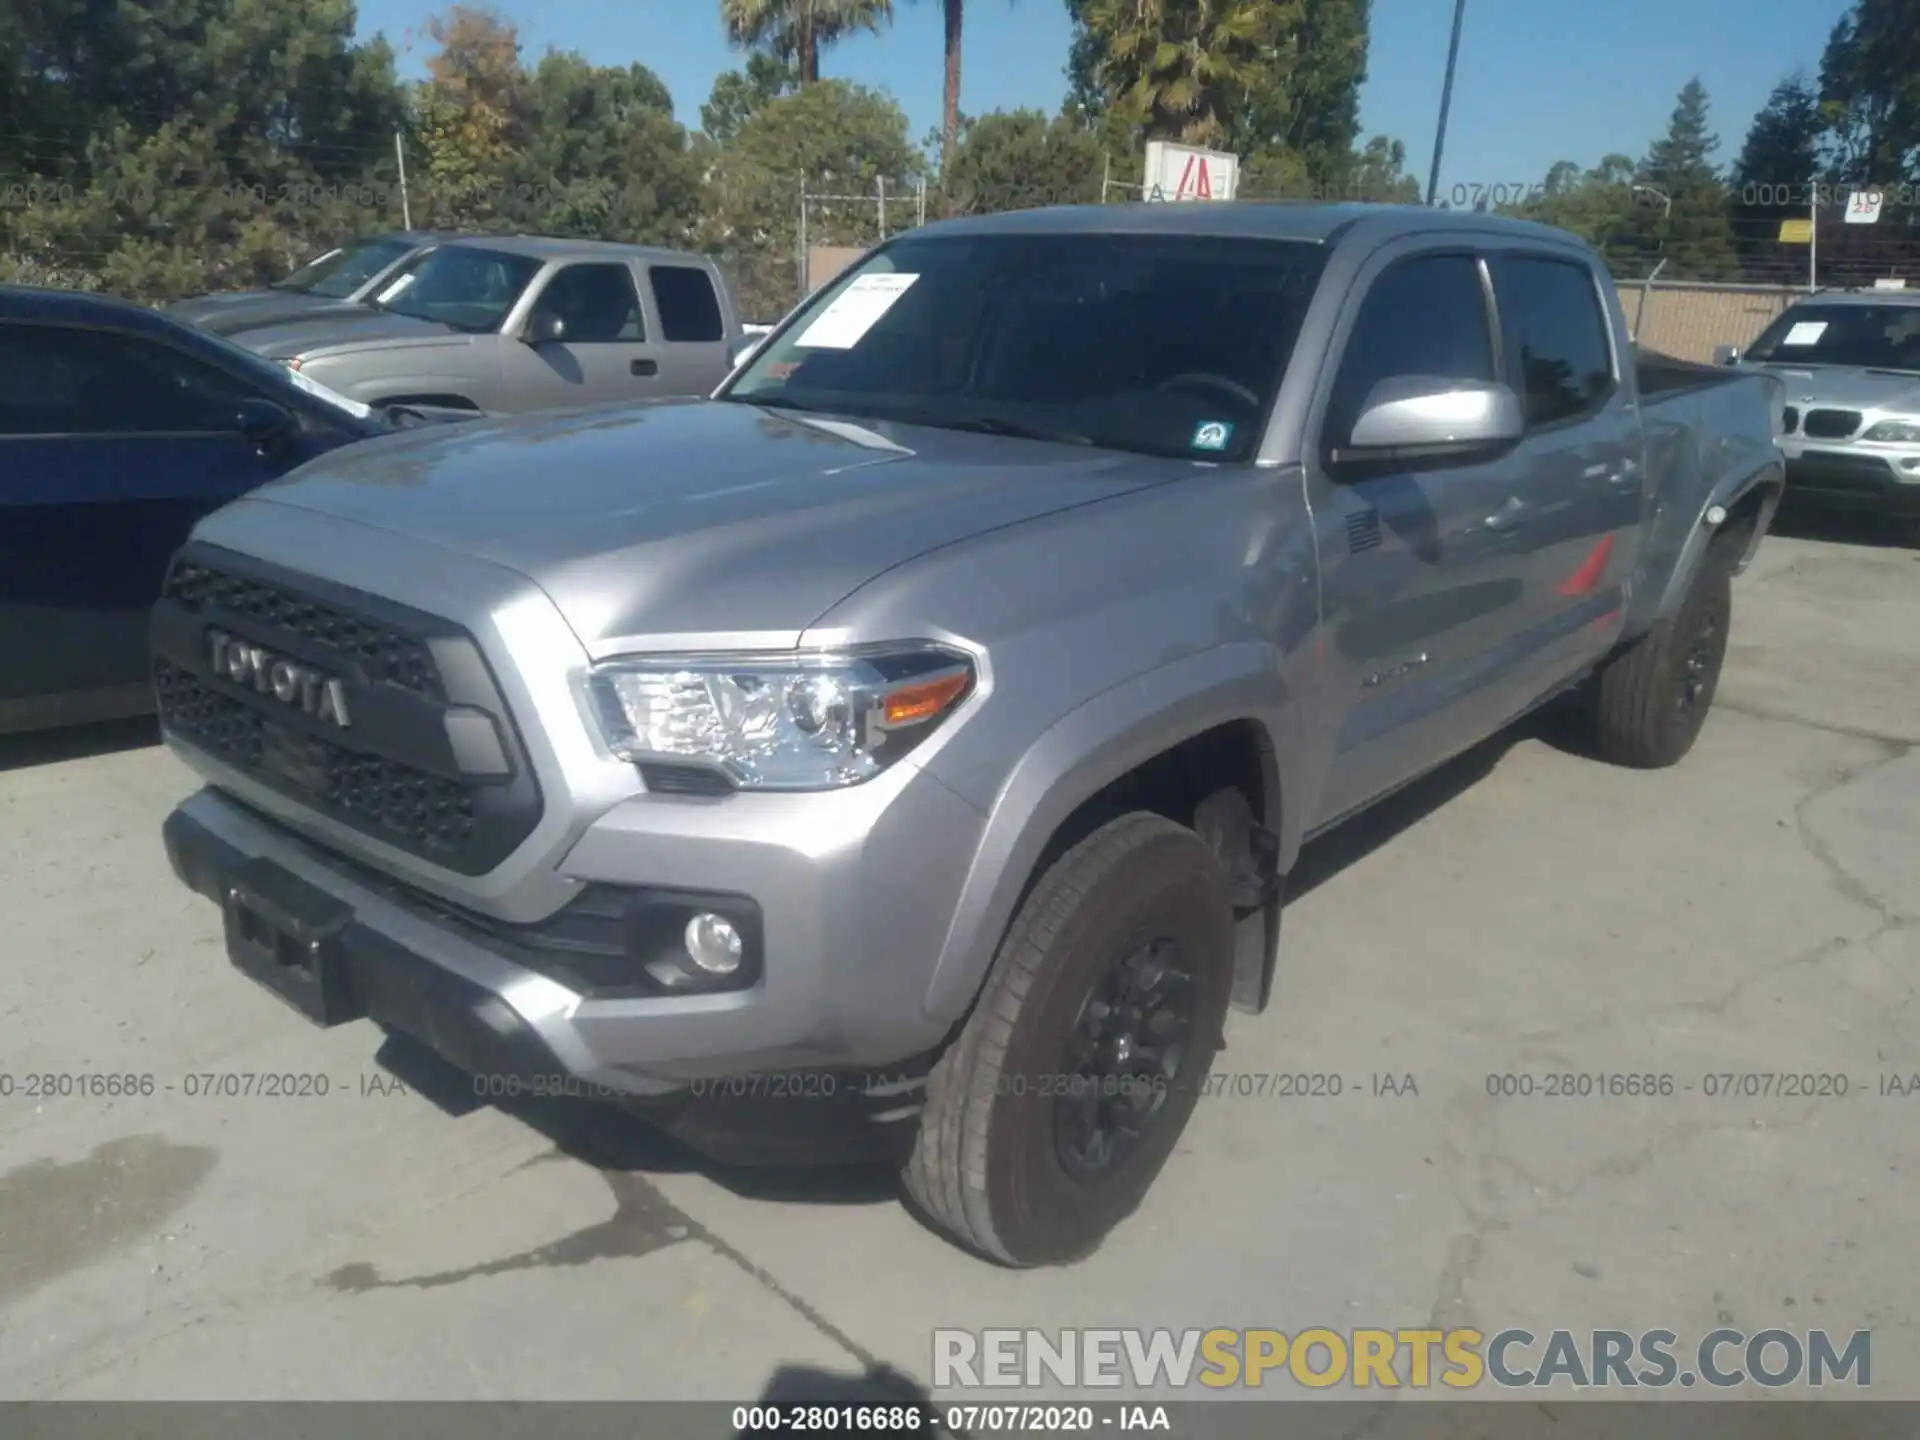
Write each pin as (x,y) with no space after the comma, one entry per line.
(1770,477)
(1092,746)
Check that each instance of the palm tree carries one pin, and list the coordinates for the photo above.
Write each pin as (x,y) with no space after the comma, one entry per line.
(796,30)
(1180,69)
(953,13)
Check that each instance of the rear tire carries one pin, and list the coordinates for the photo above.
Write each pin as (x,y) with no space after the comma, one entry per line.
(1651,700)
(1100,1016)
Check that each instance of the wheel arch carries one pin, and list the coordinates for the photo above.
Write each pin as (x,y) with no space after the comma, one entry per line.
(1165,740)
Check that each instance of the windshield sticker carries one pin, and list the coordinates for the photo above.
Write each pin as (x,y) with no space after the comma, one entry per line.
(385,297)
(332,397)
(1806,332)
(1212,435)
(854,311)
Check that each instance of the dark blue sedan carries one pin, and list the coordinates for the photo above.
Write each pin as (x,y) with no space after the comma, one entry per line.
(119,428)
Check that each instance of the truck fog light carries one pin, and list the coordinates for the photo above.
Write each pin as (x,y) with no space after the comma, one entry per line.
(714,944)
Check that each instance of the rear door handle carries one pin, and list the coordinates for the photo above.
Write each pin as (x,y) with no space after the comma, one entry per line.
(644,367)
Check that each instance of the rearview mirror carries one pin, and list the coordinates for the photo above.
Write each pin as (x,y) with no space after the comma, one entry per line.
(545,328)
(1726,354)
(263,422)
(741,350)
(1411,417)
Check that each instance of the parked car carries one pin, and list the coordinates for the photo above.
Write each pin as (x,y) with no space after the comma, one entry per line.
(119,428)
(513,323)
(334,283)
(1850,361)
(918,734)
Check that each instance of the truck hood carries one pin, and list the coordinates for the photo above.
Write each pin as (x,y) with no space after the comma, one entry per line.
(1850,387)
(356,327)
(697,517)
(240,310)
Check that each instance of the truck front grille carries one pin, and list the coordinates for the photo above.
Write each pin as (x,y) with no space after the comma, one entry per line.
(426,813)
(1789,418)
(1830,424)
(387,655)
(393,771)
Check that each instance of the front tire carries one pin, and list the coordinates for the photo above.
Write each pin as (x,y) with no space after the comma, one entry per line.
(1651,700)
(1048,1118)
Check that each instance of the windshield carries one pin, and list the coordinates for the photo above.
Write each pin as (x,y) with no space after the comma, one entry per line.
(338,273)
(1160,344)
(1876,337)
(460,286)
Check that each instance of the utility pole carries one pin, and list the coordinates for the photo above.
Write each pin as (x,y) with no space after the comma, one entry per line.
(1446,101)
(1813,238)
(400,158)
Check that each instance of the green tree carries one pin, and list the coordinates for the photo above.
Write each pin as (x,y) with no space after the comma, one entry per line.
(797,30)
(1782,154)
(1693,234)
(1186,70)
(832,138)
(603,156)
(738,94)
(189,144)
(1019,160)
(1599,205)
(1870,93)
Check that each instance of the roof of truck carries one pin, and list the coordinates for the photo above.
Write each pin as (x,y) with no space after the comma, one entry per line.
(1280,220)
(1860,297)
(548,247)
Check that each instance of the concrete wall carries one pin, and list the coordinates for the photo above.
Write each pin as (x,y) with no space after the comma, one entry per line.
(1687,320)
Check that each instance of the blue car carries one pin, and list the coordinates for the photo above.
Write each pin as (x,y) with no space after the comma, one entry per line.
(119,428)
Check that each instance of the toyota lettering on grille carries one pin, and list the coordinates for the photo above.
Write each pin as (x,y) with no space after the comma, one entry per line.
(288,681)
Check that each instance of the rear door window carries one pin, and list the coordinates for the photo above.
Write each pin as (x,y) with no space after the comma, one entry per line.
(1555,336)
(689,310)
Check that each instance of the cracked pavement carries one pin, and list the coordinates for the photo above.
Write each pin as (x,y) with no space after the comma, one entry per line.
(1525,912)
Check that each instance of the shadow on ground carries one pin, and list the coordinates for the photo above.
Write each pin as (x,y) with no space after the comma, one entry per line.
(77,742)
(1846,527)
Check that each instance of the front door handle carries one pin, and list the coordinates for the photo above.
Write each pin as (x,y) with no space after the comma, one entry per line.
(1508,517)
(644,367)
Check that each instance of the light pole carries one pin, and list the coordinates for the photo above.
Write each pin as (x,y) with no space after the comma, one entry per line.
(1446,101)
(1646,286)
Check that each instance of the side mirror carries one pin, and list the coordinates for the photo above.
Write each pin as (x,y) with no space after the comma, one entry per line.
(1726,354)
(263,422)
(742,349)
(1412,417)
(545,328)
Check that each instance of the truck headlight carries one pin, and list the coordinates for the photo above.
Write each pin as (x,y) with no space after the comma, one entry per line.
(1895,432)
(780,722)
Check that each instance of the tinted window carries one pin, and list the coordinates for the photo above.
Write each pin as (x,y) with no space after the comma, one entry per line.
(1425,316)
(597,303)
(462,286)
(338,273)
(1876,337)
(688,309)
(1169,345)
(1555,336)
(59,380)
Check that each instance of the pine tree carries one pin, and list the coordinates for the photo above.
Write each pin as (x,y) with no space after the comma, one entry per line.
(1692,234)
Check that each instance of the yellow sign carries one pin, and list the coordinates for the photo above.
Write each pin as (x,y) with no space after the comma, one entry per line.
(1796,232)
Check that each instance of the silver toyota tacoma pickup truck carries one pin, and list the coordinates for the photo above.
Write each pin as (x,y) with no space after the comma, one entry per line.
(907,746)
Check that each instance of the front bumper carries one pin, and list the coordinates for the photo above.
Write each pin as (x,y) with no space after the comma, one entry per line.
(1847,477)
(823,1038)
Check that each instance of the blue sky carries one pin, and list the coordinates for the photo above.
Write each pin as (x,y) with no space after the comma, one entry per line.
(1538,81)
